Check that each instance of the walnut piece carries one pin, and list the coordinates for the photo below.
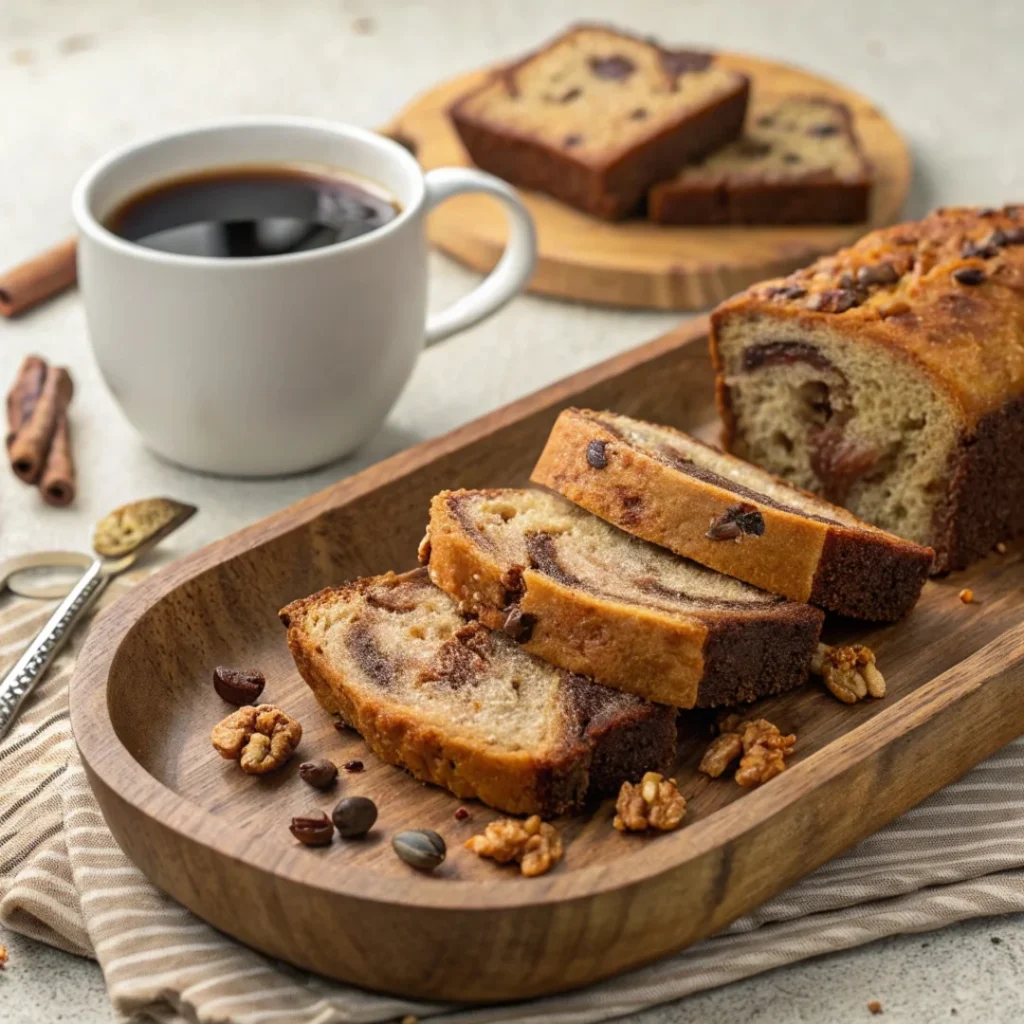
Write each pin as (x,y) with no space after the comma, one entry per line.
(259,738)
(731,721)
(724,749)
(534,844)
(849,673)
(764,752)
(654,802)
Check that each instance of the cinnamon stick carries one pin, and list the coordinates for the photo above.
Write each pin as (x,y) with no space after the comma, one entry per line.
(38,278)
(24,394)
(57,484)
(29,448)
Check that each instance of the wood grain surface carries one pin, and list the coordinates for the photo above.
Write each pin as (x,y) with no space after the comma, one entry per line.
(218,841)
(634,262)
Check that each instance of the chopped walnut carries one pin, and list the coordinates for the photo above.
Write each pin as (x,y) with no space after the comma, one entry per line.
(534,844)
(724,749)
(654,802)
(259,738)
(849,672)
(764,752)
(731,721)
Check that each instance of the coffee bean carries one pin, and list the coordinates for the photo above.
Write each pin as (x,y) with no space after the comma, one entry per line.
(597,457)
(969,276)
(880,273)
(616,67)
(354,816)
(312,829)
(238,686)
(422,849)
(353,766)
(319,774)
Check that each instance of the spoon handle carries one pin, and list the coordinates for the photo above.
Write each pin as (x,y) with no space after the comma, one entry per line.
(32,665)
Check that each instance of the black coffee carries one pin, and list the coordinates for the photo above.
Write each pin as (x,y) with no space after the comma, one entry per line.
(242,212)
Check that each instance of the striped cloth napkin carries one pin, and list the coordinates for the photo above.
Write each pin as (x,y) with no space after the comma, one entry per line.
(63,880)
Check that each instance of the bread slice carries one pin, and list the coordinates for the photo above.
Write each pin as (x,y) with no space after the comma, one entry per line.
(797,162)
(597,116)
(591,599)
(465,708)
(671,489)
(889,377)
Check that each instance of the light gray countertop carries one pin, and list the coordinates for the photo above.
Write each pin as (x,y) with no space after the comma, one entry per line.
(78,77)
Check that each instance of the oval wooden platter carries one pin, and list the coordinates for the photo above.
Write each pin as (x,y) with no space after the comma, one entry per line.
(633,262)
(218,841)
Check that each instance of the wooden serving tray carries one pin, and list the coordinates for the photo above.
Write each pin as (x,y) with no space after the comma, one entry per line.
(218,841)
(634,262)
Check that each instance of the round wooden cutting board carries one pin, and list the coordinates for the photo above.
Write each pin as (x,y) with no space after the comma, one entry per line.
(633,262)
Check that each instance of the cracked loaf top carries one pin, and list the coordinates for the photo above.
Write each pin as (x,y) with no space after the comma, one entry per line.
(948,291)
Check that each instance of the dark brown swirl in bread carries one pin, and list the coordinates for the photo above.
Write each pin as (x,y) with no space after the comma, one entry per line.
(466,708)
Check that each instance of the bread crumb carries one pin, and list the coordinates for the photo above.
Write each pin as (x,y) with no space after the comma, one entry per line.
(1001,548)
(967,595)
(875,1007)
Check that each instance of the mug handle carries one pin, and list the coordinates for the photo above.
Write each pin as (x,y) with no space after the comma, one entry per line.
(514,268)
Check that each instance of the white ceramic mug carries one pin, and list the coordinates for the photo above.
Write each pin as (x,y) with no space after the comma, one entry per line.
(276,364)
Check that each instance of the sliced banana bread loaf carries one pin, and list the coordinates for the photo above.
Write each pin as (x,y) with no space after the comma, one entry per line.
(592,599)
(797,162)
(597,116)
(890,379)
(465,708)
(673,490)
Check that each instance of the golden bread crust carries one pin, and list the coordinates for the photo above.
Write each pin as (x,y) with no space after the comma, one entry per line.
(620,741)
(967,337)
(665,505)
(704,657)
(596,116)
(649,654)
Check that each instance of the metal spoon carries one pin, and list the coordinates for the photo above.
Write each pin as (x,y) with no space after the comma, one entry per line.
(121,539)
(45,575)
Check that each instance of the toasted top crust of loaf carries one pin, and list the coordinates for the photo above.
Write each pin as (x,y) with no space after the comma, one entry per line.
(803,138)
(730,515)
(590,598)
(595,92)
(459,705)
(947,292)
